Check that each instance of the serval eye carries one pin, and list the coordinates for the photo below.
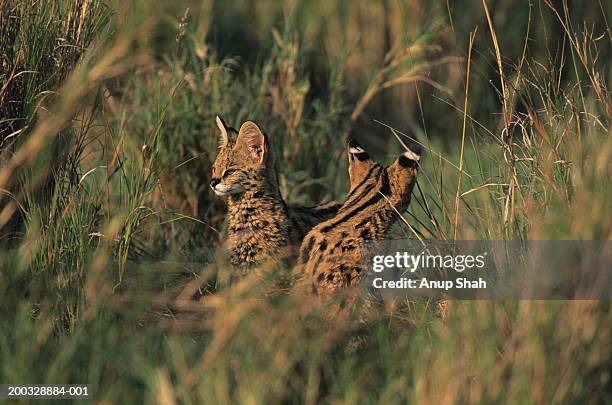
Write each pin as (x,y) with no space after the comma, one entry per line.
(227,172)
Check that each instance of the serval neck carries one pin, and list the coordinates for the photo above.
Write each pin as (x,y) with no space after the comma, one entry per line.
(255,210)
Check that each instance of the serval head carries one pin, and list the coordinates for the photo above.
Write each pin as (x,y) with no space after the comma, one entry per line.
(244,163)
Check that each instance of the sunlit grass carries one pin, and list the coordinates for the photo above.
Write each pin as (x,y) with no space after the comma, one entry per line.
(109,234)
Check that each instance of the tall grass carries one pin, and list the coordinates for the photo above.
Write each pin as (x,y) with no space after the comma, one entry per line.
(110,233)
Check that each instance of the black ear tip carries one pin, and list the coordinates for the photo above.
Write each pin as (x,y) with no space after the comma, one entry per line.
(410,158)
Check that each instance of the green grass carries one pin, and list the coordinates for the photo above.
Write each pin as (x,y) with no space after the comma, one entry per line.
(109,233)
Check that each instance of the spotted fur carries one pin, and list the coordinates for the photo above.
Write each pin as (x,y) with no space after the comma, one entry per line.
(331,253)
(260,224)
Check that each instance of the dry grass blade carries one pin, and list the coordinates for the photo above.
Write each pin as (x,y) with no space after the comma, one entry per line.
(465,107)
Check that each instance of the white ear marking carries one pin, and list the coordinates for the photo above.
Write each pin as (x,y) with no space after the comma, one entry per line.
(412,155)
(356,150)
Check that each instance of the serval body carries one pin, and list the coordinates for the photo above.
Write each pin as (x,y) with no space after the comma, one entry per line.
(260,225)
(331,253)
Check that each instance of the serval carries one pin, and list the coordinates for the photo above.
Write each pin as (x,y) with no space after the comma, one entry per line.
(260,224)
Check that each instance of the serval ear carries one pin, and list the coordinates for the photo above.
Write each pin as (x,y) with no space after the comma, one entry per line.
(253,140)
(227,134)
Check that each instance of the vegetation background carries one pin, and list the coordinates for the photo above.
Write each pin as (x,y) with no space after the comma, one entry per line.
(109,232)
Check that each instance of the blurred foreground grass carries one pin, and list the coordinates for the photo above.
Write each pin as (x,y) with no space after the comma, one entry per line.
(108,232)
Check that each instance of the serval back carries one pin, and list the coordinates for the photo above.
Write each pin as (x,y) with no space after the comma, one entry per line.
(331,253)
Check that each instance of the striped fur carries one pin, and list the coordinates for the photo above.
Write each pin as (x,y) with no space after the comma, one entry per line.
(331,253)
(260,225)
